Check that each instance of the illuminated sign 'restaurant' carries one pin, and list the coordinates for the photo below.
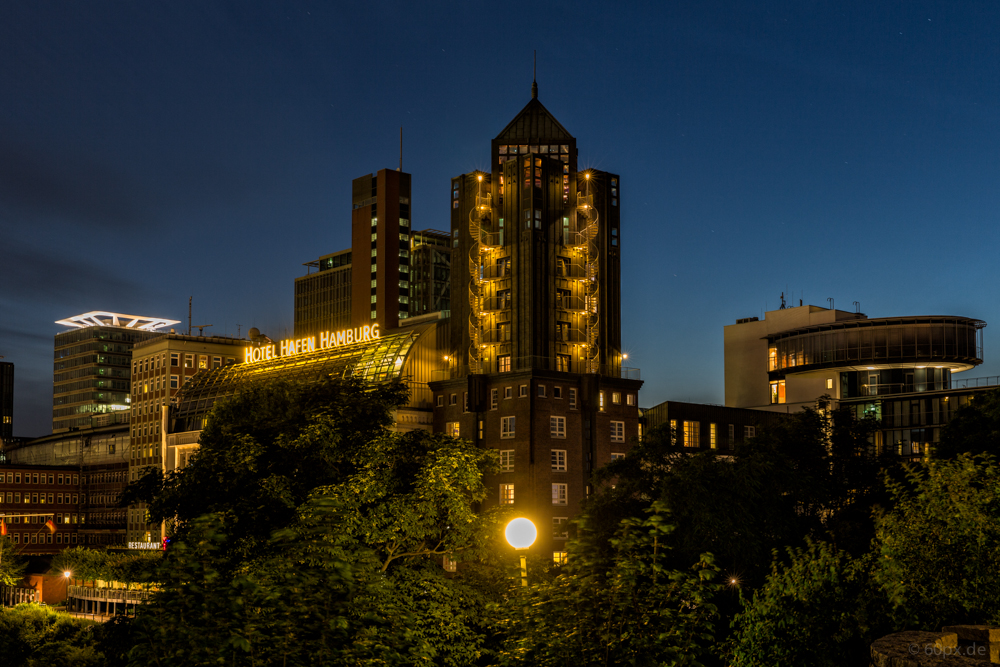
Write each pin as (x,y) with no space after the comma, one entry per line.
(302,345)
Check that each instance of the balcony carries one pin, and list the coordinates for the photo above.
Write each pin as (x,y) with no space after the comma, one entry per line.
(917,387)
(495,303)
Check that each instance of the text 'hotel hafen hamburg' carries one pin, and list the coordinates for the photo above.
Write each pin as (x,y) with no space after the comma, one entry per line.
(527,359)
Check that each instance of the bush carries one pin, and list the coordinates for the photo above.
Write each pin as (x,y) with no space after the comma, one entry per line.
(35,636)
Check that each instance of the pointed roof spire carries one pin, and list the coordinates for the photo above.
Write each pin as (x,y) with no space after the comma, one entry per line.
(534,77)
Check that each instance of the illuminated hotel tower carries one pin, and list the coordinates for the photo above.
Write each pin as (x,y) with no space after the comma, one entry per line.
(536,369)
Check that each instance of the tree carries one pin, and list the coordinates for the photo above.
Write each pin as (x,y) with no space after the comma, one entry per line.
(975,428)
(939,548)
(346,565)
(12,566)
(819,608)
(631,610)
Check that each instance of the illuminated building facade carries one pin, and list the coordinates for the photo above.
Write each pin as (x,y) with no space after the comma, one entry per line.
(160,368)
(380,245)
(92,367)
(6,402)
(535,369)
(98,460)
(32,495)
(323,297)
(898,369)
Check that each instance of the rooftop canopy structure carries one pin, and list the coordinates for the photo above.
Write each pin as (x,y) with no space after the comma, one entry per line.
(102,318)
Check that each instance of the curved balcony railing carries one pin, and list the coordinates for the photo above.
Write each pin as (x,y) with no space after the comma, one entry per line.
(107,594)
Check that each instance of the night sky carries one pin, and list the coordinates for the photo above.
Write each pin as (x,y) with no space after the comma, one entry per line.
(153,151)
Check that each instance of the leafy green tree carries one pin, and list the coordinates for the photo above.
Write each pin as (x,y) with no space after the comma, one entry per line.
(93,564)
(819,608)
(35,636)
(631,610)
(264,450)
(12,566)
(975,428)
(939,548)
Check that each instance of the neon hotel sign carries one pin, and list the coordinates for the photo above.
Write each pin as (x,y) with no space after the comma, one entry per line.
(327,339)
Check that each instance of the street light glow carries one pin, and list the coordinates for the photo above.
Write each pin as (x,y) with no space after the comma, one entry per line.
(520,533)
(67,574)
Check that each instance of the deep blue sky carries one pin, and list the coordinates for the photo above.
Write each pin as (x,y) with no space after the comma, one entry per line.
(152,151)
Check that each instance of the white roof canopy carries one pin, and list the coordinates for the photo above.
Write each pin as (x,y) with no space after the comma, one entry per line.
(101,318)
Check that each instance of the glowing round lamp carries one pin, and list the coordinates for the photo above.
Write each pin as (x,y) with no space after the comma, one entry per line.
(67,574)
(520,533)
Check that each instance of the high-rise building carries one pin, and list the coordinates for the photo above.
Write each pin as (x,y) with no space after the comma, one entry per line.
(323,297)
(430,272)
(160,368)
(380,223)
(6,401)
(536,364)
(92,367)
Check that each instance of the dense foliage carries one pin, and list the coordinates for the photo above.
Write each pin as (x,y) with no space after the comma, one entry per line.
(35,636)
(975,428)
(137,567)
(12,565)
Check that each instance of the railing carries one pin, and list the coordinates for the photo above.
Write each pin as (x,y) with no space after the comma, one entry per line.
(107,594)
(15,595)
(495,272)
(884,389)
(527,363)
(492,303)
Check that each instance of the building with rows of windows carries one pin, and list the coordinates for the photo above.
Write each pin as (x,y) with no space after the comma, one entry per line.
(31,496)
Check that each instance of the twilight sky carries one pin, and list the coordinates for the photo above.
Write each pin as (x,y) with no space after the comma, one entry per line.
(152,151)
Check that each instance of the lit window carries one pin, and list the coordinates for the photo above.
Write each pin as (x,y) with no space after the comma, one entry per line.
(405,284)
(452,429)
(506,494)
(374,252)
(600,401)
(712,436)
(448,564)
(506,460)
(506,427)
(559,525)
(778,391)
(692,434)
(616,397)
(559,557)
(829,383)
(374,298)
(559,494)
(374,315)
(630,399)
(374,236)
(374,283)
(188,361)
(558,460)
(617,431)
(557,427)
(503,363)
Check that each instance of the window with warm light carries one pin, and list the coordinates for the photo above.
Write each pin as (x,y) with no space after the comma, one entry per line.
(778,392)
(559,557)
(691,434)
(452,429)
(506,494)
(616,397)
(711,436)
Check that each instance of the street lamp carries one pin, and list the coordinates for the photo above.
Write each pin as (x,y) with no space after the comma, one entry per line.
(521,534)
(67,574)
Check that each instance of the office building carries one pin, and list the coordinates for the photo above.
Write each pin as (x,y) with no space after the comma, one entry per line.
(900,370)
(323,297)
(6,402)
(698,426)
(161,366)
(30,496)
(430,272)
(92,367)
(535,366)
(98,458)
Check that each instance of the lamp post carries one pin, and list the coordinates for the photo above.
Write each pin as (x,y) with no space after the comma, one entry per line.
(521,534)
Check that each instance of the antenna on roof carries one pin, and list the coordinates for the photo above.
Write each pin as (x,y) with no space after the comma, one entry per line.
(782,301)
(534,72)
(830,299)
(189,314)
(400,149)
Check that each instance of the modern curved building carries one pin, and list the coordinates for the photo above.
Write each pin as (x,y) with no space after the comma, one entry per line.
(899,369)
